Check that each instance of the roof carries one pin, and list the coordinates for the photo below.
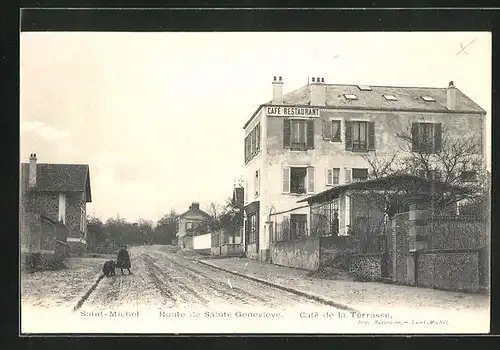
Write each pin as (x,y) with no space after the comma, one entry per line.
(60,178)
(373,184)
(194,212)
(407,99)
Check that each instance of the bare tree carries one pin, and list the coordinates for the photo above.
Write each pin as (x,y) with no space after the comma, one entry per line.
(454,163)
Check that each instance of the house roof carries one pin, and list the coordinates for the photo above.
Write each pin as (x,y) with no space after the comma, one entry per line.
(194,212)
(373,184)
(407,99)
(60,178)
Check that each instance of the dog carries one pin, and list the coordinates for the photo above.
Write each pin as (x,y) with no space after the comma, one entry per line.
(108,268)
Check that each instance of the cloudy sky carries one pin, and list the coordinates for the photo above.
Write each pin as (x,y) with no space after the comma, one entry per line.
(159,116)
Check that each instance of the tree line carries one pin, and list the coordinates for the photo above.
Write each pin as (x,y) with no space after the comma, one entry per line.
(107,236)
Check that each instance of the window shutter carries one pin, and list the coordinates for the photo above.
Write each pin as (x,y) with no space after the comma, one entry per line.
(257,137)
(310,134)
(414,137)
(371,136)
(286,133)
(310,180)
(348,136)
(327,130)
(246,155)
(256,183)
(335,124)
(252,142)
(329,177)
(438,130)
(286,180)
(348,175)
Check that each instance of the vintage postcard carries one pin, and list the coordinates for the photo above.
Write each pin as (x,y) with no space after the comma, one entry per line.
(255,182)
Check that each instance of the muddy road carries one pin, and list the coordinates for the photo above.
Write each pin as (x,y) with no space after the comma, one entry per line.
(169,280)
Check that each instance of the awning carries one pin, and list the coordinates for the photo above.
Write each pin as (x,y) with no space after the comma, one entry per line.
(420,185)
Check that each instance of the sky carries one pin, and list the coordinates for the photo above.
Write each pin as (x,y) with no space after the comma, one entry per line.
(159,116)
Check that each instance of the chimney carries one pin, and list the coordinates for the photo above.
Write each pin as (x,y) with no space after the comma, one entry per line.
(32,171)
(451,96)
(195,206)
(277,90)
(318,92)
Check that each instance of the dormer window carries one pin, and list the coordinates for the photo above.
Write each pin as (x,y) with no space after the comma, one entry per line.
(428,99)
(390,97)
(364,88)
(351,97)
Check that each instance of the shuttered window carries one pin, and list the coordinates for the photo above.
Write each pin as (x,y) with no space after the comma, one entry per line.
(252,143)
(332,176)
(331,130)
(298,180)
(359,136)
(359,174)
(426,137)
(298,135)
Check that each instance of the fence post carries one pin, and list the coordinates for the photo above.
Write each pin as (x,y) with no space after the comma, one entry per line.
(418,227)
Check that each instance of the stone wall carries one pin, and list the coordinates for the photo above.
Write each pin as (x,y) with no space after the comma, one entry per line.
(330,247)
(303,253)
(367,267)
(252,251)
(447,269)
(231,249)
(215,251)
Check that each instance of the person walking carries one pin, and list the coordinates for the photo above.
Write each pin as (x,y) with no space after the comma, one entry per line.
(123,260)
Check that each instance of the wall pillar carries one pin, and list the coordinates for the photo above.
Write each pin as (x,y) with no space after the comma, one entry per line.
(418,231)
(265,244)
(418,224)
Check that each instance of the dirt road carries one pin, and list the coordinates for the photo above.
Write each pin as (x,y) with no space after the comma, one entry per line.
(168,280)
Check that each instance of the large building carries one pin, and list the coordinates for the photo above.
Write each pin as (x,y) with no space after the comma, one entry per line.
(53,193)
(312,138)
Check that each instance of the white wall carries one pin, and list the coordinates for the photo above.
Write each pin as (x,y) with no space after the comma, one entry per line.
(202,241)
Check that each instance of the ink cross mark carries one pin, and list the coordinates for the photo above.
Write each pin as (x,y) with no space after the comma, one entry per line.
(462,48)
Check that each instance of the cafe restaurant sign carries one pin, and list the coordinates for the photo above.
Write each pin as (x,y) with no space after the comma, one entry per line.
(281,111)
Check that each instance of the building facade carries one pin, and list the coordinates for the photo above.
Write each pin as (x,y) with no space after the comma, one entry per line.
(53,193)
(188,221)
(304,142)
